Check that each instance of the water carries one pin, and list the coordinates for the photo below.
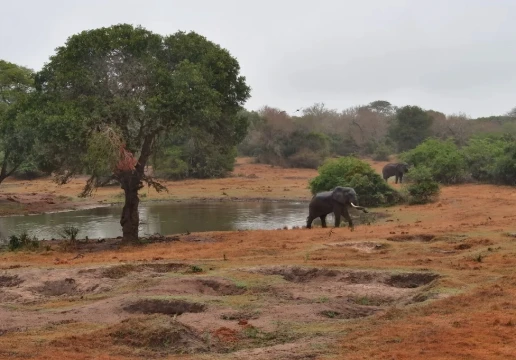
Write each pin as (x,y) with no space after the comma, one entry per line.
(162,217)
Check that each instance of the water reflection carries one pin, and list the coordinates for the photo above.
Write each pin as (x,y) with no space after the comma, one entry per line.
(162,217)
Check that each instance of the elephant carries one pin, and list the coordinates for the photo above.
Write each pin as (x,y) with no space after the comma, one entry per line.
(395,169)
(334,201)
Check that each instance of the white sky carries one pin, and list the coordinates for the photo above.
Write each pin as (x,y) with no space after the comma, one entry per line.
(450,56)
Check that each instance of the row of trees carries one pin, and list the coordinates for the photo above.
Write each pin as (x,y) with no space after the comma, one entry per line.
(377,129)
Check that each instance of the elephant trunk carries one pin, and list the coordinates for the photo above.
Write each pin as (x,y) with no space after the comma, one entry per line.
(359,207)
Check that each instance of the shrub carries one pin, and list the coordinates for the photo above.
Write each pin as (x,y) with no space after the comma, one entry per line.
(421,187)
(306,158)
(444,160)
(23,241)
(371,189)
(382,153)
(505,166)
(482,156)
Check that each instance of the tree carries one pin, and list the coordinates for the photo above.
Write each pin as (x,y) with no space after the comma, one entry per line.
(512,113)
(410,127)
(16,87)
(112,93)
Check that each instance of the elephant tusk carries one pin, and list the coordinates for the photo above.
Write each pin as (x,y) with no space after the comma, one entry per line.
(359,207)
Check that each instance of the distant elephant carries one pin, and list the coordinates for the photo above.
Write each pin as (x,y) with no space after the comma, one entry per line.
(334,201)
(395,169)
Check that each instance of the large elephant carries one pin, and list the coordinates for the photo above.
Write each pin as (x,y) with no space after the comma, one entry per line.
(395,169)
(334,201)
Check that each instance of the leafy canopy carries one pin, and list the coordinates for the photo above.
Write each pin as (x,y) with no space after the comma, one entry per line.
(127,86)
(410,127)
(16,125)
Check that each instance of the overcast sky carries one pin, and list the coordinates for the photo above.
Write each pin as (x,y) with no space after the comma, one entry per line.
(447,55)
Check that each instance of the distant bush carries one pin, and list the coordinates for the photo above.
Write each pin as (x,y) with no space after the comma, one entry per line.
(505,166)
(371,189)
(444,160)
(22,241)
(382,153)
(482,155)
(420,186)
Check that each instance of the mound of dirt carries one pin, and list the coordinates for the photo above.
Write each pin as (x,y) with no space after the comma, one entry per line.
(157,333)
(10,281)
(221,288)
(407,237)
(299,274)
(58,287)
(411,280)
(120,271)
(168,307)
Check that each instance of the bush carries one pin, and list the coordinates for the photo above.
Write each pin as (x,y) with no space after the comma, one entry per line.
(306,158)
(421,188)
(505,166)
(170,166)
(382,153)
(482,156)
(444,160)
(23,241)
(371,189)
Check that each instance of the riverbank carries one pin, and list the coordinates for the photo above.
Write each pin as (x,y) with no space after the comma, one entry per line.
(248,182)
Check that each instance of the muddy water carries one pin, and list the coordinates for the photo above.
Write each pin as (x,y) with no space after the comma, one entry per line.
(162,217)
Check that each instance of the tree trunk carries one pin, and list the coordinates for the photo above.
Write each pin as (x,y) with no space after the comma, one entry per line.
(130,220)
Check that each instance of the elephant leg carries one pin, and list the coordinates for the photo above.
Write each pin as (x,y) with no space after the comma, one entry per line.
(309,220)
(336,213)
(401,178)
(346,216)
(396,179)
(323,221)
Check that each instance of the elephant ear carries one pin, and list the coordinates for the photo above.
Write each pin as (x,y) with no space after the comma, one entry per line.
(339,196)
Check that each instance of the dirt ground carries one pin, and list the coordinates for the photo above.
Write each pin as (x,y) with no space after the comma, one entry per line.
(436,281)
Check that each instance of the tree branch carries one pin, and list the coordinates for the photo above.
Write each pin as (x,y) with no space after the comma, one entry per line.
(152,183)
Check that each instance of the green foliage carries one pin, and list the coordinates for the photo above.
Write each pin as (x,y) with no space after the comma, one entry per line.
(196,154)
(382,153)
(410,127)
(443,158)
(481,154)
(142,86)
(371,189)
(22,241)
(16,127)
(421,188)
(505,166)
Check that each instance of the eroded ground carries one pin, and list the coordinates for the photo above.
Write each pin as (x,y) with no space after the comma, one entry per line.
(428,282)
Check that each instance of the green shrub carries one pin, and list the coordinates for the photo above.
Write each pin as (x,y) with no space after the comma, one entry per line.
(421,187)
(482,156)
(170,166)
(382,153)
(371,189)
(444,160)
(505,166)
(22,241)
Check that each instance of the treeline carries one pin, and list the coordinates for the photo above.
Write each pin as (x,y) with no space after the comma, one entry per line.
(270,135)
(378,129)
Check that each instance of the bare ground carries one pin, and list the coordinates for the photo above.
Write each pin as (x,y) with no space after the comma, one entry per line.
(428,282)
